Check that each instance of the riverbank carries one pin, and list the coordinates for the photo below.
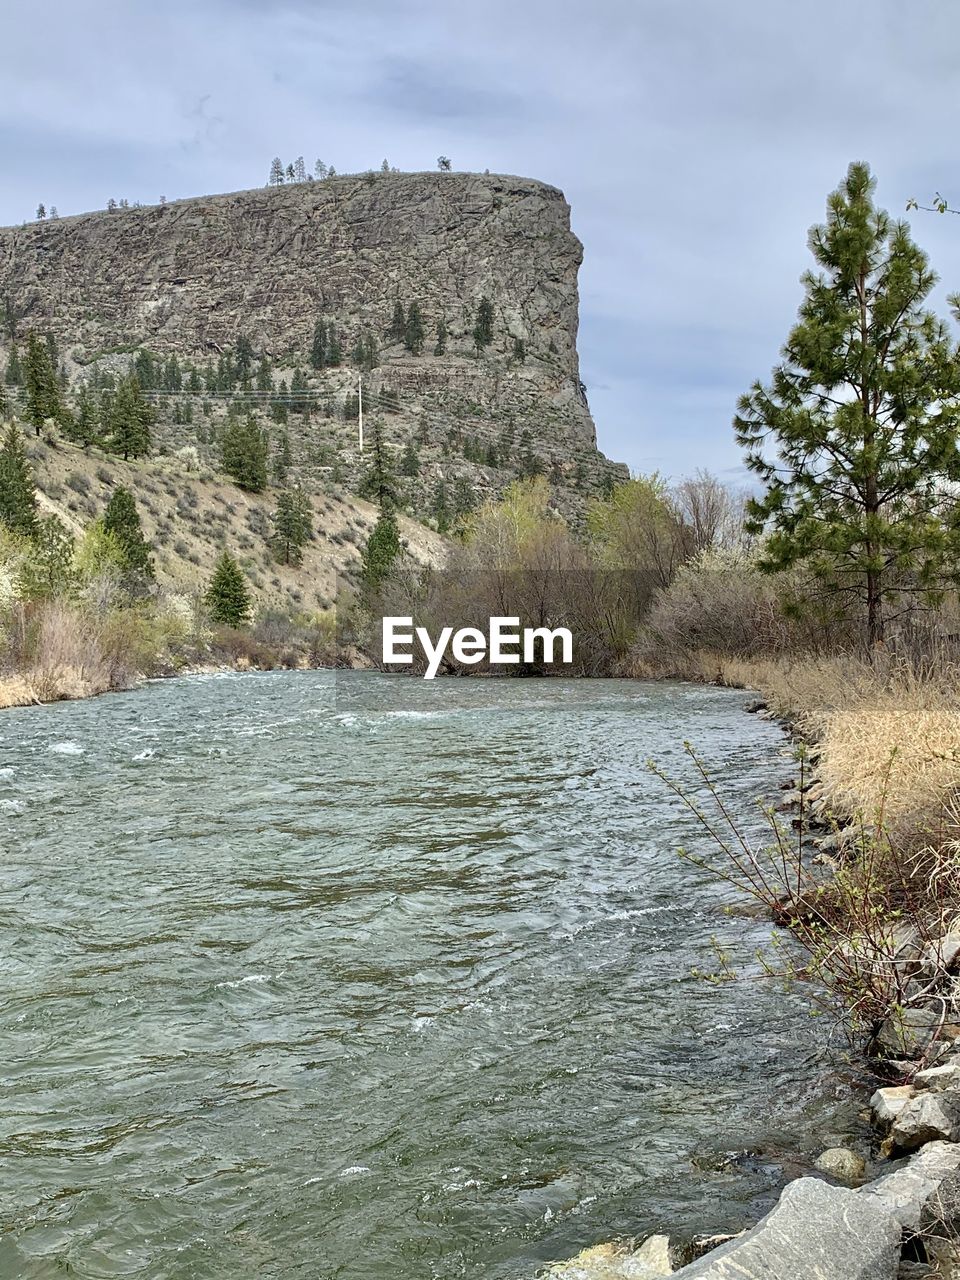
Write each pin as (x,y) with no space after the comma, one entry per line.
(865,871)
(58,651)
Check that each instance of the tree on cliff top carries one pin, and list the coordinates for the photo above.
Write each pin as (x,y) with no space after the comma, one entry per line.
(857,431)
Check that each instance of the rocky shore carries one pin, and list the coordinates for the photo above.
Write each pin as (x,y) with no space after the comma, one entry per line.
(903,1224)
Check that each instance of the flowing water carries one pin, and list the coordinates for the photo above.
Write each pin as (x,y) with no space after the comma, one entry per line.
(354,976)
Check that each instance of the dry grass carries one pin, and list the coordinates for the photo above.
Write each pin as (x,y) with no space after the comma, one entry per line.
(888,732)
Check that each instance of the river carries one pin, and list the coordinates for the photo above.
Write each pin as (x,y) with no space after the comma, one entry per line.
(310,975)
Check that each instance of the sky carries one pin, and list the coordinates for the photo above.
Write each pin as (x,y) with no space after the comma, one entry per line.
(696,141)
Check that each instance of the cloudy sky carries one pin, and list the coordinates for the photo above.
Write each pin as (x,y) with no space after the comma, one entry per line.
(695,139)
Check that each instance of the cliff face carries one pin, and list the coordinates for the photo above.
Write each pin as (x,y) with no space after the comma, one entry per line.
(190,278)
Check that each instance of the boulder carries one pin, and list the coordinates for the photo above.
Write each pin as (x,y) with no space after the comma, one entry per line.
(929,1117)
(908,1032)
(842,1164)
(889,1102)
(615,1262)
(944,1076)
(942,956)
(919,1188)
(815,1232)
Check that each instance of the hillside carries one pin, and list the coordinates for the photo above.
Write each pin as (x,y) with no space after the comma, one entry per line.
(279,301)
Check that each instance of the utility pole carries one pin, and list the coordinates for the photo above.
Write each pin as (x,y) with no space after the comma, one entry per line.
(360,408)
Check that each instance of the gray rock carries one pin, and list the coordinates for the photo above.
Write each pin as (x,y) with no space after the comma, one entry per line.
(943,955)
(841,1163)
(889,1102)
(907,1191)
(815,1232)
(946,1075)
(928,1117)
(910,1031)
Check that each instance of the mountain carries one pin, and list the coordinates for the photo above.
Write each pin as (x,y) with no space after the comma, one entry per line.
(448,300)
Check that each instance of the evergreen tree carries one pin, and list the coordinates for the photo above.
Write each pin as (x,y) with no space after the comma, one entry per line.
(128,420)
(291,173)
(18,497)
(48,571)
(856,436)
(320,169)
(443,164)
(483,329)
(440,508)
(410,460)
(292,525)
(227,598)
(41,212)
(519,350)
(264,375)
(381,552)
(379,484)
(243,360)
(398,324)
(299,170)
(334,349)
(40,380)
(441,346)
(365,353)
(276,173)
(243,454)
(282,458)
(413,333)
(85,425)
(13,375)
(318,348)
(122,521)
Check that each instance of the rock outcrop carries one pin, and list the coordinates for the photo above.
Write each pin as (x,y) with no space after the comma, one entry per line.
(193,277)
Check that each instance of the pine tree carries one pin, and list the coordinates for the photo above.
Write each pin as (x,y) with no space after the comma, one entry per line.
(40,380)
(439,507)
(122,520)
(48,571)
(334,349)
(381,552)
(85,427)
(41,212)
(856,436)
(441,346)
(483,329)
(292,525)
(318,348)
(410,460)
(443,164)
(128,420)
(320,169)
(299,170)
(243,454)
(227,598)
(13,376)
(282,458)
(413,332)
(276,173)
(398,324)
(18,497)
(379,484)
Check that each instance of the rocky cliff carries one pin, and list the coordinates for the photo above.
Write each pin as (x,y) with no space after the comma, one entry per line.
(195,277)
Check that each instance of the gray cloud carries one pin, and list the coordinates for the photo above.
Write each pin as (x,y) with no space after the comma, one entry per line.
(696,143)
